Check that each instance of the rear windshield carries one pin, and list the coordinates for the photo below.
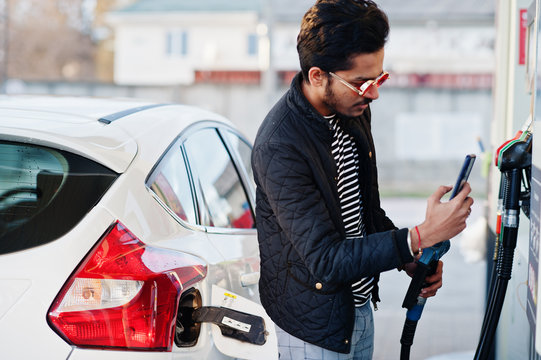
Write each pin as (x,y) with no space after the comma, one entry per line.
(44,193)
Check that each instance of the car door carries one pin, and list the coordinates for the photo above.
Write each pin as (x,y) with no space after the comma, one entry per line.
(219,161)
(204,183)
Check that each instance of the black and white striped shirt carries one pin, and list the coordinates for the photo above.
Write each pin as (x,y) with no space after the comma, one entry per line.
(347,162)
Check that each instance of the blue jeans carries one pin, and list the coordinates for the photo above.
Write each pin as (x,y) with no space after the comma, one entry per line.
(362,341)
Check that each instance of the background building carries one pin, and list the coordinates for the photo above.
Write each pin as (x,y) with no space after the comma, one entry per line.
(238,57)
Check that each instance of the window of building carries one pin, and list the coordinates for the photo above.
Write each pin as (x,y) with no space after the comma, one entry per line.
(252,44)
(177,42)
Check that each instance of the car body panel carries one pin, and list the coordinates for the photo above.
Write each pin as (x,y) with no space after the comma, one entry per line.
(115,151)
(87,107)
(45,268)
(242,257)
(69,123)
(12,291)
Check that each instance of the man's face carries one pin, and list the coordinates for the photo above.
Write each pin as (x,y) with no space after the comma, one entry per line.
(341,99)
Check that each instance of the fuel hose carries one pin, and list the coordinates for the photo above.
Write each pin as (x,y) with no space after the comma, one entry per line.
(504,263)
(514,161)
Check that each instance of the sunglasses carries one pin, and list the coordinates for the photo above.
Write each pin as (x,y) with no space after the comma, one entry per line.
(366,86)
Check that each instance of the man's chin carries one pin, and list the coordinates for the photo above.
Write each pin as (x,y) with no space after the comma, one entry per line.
(361,111)
(351,111)
(357,111)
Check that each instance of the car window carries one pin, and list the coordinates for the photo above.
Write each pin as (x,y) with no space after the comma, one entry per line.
(244,151)
(44,193)
(224,200)
(170,182)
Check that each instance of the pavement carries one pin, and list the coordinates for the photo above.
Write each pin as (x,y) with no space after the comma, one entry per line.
(451,321)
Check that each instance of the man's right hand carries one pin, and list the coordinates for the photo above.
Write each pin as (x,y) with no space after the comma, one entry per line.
(443,220)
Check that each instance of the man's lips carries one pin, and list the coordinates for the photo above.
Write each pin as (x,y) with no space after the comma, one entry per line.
(364,103)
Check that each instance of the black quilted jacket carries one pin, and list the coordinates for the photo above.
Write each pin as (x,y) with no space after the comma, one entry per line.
(307,265)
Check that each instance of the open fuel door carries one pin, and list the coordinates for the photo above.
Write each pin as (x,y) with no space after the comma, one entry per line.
(240,327)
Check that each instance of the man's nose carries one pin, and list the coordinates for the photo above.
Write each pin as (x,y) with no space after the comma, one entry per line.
(372,92)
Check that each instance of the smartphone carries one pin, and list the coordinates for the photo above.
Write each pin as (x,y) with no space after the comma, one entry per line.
(464,173)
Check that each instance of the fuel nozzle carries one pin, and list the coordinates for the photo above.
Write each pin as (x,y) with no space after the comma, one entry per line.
(515,157)
(426,265)
(516,153)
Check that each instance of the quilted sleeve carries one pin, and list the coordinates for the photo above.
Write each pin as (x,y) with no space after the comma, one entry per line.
(286,179)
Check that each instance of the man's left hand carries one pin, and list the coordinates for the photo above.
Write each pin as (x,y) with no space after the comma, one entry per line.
(434,281)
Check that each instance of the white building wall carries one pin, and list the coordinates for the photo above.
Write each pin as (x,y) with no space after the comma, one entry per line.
(284,40)
(219,42)
(141,59)
(441,49)
(413,48)
(141,56)
(222,48)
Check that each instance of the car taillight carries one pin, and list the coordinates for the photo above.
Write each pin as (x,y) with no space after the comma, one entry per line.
(124,294)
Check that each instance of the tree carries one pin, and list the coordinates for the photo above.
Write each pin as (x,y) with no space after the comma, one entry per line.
(48,40)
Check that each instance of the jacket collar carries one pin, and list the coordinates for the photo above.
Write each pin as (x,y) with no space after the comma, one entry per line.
(298,103)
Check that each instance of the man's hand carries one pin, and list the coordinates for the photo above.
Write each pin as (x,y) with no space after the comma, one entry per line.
(435,280)
(444,220)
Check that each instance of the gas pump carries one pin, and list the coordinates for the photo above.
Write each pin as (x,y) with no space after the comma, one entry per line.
(514,159)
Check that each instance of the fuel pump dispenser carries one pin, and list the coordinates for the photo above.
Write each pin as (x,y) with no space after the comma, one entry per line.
(514,160)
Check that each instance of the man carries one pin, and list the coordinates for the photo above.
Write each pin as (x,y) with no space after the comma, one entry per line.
(323,237)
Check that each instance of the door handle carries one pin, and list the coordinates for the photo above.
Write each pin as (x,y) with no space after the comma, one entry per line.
(249,278)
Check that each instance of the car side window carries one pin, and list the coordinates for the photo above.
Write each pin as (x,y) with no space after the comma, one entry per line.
(170,182)
(244,151)
(225,203)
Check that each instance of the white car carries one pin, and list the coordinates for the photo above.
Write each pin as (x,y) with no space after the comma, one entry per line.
(126,232)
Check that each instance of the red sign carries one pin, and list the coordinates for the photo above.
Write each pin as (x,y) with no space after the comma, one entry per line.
(228,77)
(523,30)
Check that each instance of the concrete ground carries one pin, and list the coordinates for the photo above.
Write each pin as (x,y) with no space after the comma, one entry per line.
(451,321)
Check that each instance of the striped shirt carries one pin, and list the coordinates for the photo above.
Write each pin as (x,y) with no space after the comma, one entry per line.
(351,204)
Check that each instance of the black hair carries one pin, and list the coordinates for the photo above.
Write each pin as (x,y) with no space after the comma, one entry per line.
(333,31)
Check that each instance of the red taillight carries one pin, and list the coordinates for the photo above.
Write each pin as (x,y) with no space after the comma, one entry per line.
(124,294)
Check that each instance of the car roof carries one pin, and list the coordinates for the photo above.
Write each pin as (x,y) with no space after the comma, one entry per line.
(108,131)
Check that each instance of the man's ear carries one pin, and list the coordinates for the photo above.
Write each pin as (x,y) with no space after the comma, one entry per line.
(317,77)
